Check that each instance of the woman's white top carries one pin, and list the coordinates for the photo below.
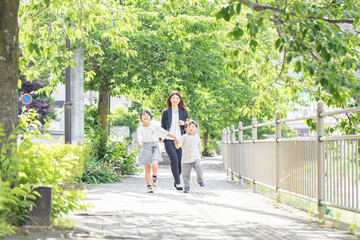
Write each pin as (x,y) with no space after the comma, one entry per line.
(191,148)
(175,126)
(151,133)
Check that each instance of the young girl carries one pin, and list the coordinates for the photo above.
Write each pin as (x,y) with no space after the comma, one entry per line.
(148,136)
(191,155)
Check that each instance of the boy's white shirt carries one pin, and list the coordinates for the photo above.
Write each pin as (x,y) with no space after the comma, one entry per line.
(191,148)
(151,133)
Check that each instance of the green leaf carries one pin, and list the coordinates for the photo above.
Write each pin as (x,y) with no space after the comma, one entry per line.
(236,33)
(357,21)
(238,8)
(47,2)
(311,71)
(325,54)
(289,57)
(253,44)
(228,11)
(254,30)
(297,66)
(278,43)
(219,15)
(318,48)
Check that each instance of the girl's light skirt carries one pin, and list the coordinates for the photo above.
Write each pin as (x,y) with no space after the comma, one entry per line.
(149,152)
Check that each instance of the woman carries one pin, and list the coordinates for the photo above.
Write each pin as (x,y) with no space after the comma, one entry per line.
(173,120)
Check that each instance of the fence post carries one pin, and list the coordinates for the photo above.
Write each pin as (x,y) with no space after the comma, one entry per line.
(227,134)
(277,152)
(320,160)
(254,137)
(223,135)
(241,180)
(224,145)
(232,141)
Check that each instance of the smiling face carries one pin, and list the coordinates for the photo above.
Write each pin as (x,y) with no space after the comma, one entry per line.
(191,128)
(175,100)
(145,117)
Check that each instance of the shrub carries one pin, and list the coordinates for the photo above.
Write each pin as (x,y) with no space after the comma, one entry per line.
(99,172)
(105,157)
(30,165)
(121,116)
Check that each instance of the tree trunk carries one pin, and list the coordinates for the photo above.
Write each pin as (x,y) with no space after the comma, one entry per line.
(9,64)
(102,111)
(206,137)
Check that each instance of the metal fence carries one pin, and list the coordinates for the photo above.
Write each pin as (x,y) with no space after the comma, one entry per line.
(323,169)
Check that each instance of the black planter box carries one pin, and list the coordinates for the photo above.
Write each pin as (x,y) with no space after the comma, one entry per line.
(40,213)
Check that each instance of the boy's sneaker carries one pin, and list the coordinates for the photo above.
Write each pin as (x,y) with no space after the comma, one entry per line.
(154,181)
(186,190)
(201,184)
(149,189)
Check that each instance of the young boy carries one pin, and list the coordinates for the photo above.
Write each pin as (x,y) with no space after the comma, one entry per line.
(191,155)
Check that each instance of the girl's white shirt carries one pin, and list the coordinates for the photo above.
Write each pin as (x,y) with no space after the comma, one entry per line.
(175,126)
(191,148)
(151,133)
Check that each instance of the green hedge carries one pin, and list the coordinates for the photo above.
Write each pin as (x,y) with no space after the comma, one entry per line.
(28,165)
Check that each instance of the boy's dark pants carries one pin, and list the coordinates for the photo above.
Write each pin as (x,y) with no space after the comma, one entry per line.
(175,159)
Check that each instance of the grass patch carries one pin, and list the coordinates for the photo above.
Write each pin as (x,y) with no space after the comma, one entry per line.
(63,224)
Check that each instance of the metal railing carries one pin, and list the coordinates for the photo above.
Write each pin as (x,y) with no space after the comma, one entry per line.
(322,169)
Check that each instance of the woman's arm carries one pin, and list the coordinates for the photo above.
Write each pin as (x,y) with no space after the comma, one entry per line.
(173,136)
(184,120)
(186,116)
(163,119)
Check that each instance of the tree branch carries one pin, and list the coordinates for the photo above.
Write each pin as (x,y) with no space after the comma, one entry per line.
(283,63)
(37,13)
(260,8)
(97,69)
(350,21)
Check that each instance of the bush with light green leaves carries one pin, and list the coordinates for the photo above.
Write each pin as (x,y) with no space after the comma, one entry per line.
(28,165)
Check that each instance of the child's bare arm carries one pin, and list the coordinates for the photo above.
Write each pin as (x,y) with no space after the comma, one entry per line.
(173,136)
(140,143)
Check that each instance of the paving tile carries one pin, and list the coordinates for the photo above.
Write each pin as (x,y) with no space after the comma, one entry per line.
(220,210)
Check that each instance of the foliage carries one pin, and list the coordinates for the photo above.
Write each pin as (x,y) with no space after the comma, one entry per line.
(297,47)
(211,149)
(71,158)
(40,102)
(30,165)
(105,157)
(182,49)
(164,48)
(102,170)
(99,172)
(123,117)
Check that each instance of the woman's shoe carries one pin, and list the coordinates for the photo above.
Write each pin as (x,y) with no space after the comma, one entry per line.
(178,188)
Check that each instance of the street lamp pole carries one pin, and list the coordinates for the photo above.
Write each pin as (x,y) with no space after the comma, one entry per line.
(67,103)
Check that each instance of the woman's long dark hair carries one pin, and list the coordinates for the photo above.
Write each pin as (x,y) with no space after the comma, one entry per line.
(181,103)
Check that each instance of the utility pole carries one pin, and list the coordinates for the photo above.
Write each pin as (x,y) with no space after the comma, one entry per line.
(67,103)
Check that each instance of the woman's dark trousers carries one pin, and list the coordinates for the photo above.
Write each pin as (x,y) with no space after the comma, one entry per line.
(175,159)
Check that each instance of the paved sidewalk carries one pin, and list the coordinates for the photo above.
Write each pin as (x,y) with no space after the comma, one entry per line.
(221,210)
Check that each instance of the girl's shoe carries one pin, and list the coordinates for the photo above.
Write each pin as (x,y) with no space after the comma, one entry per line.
(186,190)
(154,181)
(178,188)
(149,189)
